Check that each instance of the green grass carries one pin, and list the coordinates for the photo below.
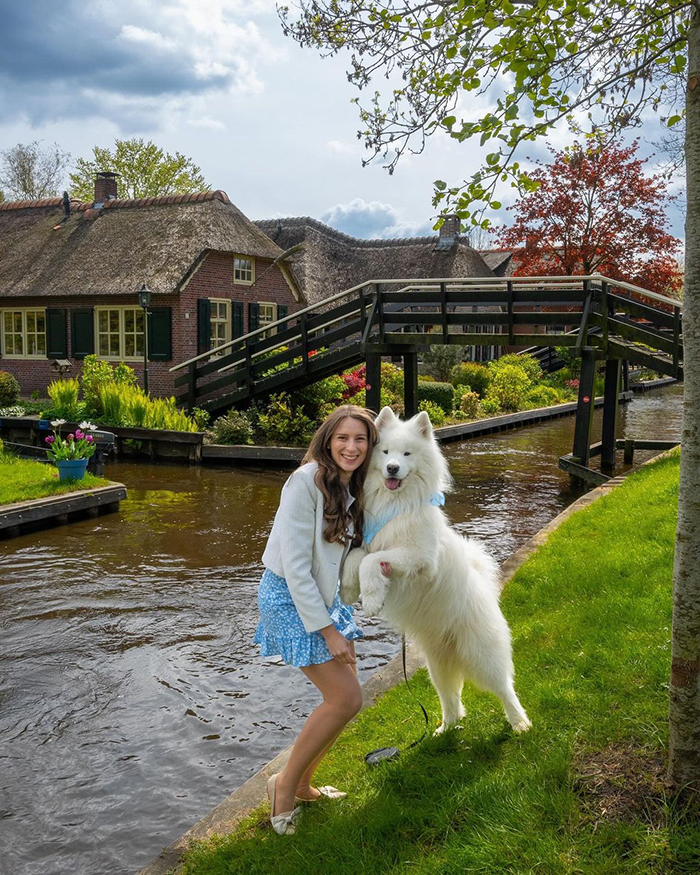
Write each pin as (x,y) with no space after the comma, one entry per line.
(590,614)
(23,480)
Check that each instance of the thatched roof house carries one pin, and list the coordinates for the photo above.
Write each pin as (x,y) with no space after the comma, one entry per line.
(331,261)
(70,273)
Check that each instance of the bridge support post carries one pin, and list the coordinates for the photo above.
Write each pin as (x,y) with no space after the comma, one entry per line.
(584,411)
(410,384)
(374,380)
(613,371)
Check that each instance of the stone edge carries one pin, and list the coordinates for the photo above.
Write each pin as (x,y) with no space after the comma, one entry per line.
(249,795)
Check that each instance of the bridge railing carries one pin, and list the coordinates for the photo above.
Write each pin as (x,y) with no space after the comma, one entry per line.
(330,334)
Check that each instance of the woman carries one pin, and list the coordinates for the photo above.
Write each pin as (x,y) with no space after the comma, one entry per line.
(301,616)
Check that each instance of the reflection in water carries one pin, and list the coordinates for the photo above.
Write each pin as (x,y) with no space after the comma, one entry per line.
(132,698)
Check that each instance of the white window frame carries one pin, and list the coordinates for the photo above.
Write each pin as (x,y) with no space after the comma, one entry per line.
(122,334)
(262,322)
(216,320)
(236,269)
(23,355)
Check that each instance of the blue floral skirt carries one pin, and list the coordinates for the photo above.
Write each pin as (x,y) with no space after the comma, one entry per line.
(281,632)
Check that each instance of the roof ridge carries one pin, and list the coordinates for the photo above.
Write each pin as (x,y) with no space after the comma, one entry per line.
(116,203)
(341,235)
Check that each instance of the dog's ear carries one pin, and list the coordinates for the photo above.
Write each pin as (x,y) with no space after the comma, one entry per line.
(422,424)
(384,417)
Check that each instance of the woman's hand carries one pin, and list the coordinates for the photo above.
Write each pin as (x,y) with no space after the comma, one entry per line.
(338,645)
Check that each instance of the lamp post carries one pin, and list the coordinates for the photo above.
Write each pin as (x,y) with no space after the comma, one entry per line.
(145,302)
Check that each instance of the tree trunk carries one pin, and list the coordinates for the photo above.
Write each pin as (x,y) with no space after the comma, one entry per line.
(684,748)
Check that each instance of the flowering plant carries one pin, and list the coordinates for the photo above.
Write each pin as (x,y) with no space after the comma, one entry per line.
(80,445)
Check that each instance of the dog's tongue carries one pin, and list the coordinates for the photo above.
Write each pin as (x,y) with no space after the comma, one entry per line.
(392,483)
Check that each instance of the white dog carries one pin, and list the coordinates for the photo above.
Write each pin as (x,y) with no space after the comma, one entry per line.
(440,589)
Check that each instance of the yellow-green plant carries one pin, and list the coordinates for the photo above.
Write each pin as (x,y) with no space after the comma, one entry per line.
(64,397)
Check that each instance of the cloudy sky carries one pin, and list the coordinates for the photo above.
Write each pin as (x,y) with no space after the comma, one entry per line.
(268,122)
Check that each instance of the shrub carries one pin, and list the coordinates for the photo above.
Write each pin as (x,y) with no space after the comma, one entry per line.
(386,399)
(9,389)
(426,378)
(317,397)
(355,381)
(392,379)
(439,360)
(509,385)
(128,405)
(471,374)
(542,396)
(469,403)
(490,406)
(435,412)
(64,399)
(526,363)
(96,375)
(200,417)
(571,361)
(233,428)
(442,394)
(13,410)
(282,423)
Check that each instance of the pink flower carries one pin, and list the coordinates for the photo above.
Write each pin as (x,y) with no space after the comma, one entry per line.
(50,439)
(89,438)
(71,437)
(78,434)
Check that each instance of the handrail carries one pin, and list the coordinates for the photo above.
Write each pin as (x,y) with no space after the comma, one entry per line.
(452,284)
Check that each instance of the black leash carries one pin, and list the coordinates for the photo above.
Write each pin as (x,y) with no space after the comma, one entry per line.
(390,753)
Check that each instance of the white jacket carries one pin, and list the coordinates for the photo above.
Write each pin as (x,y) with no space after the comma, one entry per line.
(297,550)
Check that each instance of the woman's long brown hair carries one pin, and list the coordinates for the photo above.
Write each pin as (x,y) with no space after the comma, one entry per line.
(336,515)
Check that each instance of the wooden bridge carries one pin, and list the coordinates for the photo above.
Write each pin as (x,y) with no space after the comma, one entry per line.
(614,321)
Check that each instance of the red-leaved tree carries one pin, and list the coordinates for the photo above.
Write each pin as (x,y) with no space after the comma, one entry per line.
(595,211)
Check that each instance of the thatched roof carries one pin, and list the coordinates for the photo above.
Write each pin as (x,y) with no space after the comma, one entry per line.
(115,249)
(332,261)
(499,260)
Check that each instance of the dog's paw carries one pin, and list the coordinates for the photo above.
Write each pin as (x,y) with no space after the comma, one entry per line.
(522,725)
(372,603)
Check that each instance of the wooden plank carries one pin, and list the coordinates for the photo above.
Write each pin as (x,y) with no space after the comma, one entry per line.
(635,308)
(637,333)
(245,453)
(52,506)
(566,463)
(424,340)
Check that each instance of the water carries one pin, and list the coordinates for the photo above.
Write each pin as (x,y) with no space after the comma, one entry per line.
(132,698)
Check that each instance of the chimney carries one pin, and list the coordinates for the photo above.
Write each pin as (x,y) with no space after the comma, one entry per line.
(105,187)
(449,232)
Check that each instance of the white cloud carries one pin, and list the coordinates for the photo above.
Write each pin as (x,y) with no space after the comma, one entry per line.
(373,220)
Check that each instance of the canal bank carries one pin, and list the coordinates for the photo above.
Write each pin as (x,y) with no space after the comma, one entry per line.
(133,698)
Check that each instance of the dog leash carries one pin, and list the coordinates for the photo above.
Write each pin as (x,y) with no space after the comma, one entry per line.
(390,753)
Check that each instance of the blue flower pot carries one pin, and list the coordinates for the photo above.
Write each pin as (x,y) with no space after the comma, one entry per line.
(71,469)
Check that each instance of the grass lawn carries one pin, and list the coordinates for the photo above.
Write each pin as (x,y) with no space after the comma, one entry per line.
(582,792)
(23,480)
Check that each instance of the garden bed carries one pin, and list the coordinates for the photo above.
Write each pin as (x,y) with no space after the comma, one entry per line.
(152,442)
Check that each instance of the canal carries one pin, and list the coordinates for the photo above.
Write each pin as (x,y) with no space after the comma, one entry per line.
(132,698)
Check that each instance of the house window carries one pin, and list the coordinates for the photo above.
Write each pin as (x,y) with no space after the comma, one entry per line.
(219,322)
(243,270)
(119,332)
(267,315)
(24,334)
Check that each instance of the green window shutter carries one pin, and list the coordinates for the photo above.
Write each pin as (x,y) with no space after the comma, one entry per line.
(82,333)
(253,316)
(160,345)
(203,325)
(237,319)
(56,334)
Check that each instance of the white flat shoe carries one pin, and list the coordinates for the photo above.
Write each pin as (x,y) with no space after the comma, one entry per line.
(283,824)
(328,792)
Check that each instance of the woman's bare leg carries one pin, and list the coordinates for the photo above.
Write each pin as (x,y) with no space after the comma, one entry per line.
(305,790)
(342,699)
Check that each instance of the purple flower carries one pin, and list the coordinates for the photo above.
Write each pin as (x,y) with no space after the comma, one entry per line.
(78,434)
(50,439)
(89,439)
(71,437)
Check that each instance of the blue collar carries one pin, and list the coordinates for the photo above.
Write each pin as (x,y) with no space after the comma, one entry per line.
(373,524)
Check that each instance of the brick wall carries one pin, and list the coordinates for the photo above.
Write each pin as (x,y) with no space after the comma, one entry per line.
(213,279)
